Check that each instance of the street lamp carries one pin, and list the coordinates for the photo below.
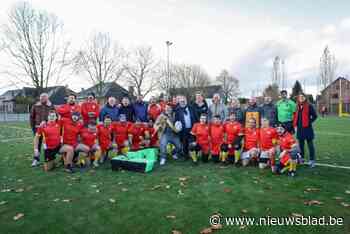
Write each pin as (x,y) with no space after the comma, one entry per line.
(168,44)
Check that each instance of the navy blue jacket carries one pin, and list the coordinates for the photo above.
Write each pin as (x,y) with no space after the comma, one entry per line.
(112,111)
(140,110)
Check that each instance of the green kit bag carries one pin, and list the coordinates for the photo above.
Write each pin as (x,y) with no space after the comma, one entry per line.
(140,161)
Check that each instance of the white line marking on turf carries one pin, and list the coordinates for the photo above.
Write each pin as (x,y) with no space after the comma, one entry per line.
(330,165)
(15,139)
(19,128)
(332,133)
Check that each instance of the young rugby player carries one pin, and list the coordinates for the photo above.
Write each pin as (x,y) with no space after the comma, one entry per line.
(51,135)
(136,133)
(268,141)
(70,131)
(251,143)
(233,138)
(201,144)
(88,147)
(120,134)
(151,136)
(104,135)
(216,131)
(289,152)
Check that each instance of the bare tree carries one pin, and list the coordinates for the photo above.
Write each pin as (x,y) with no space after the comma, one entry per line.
(230,85)
(143,70)
(34,43)
(101,60)
(190,76)
(328,66)
(168,80)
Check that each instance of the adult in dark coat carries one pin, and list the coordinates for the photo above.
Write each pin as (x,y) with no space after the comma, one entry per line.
(303,118)
(199,107)
(111,109)
(253,111)
(140,109)
(269,111)
(235,107)
(185,115)
(127,109)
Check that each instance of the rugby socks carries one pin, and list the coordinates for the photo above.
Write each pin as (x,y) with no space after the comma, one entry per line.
(193,155)
(237,155)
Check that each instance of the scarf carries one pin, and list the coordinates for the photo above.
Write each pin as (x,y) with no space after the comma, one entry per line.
(304,107)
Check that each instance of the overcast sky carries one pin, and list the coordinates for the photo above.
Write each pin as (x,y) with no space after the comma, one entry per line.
(241,36)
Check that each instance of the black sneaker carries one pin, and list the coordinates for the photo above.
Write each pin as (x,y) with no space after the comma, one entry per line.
(69,169)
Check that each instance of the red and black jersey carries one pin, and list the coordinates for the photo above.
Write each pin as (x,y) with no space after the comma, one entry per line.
(51,133)
(251,138)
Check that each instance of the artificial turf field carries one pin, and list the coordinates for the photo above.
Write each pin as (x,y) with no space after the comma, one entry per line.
(178,196)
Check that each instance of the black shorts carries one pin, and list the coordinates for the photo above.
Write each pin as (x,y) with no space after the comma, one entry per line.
(50,154)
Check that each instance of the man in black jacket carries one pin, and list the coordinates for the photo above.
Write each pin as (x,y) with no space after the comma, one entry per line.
(127,110)
(199,107)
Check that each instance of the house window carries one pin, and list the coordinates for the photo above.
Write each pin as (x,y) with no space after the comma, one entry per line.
(347,85)
(337,87)
(335,96)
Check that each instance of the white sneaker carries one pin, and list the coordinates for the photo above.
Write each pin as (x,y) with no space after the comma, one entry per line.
(162,161)
(312,163)
(175,157)
(96,163)
(35,163)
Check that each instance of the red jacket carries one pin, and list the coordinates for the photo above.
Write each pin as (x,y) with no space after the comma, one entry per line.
(154,110)
(66,110)
(90,110)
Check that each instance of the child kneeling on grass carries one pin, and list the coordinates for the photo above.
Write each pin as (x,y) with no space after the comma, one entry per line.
(251,148)
(233,138)
(268,142)
(216,131)
(51,134)
(201,143)
(89,148)
(289,152)
(104,136)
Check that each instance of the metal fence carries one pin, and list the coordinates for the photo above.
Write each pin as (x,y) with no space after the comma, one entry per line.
(14,117)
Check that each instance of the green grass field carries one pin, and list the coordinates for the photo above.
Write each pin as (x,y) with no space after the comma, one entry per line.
(177,197)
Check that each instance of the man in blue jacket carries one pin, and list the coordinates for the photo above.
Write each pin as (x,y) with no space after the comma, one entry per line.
(140,109)
(110,109)
(185,115)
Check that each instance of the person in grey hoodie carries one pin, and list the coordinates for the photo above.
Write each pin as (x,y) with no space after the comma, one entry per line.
(269,111)
(217,108)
